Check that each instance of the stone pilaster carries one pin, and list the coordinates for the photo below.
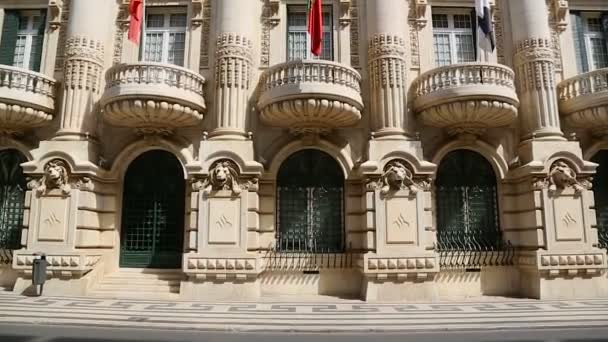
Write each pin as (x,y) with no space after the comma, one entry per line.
(388,84)
(83,69)
(387,65)
(233,68)
(536,87)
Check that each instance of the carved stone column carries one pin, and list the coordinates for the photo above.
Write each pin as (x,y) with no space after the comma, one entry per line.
(233,69)
(83,68)
(387,68)
(535,70)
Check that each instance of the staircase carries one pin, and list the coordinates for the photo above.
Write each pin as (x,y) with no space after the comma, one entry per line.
(140,283)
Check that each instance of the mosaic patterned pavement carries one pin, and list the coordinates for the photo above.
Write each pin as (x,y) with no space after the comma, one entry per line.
(310,317)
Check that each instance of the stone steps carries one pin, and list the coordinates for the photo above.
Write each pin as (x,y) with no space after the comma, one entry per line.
(140,284)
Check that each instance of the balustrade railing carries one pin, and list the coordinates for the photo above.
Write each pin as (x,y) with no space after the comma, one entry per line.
(464,74)
(310,71)
(585,84)
(27,82)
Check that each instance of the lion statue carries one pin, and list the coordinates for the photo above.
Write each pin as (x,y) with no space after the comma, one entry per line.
(55,177)
(561,176)
(224,176)
(397,176)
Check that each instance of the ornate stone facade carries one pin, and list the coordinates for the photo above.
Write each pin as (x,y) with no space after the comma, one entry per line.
(351,176)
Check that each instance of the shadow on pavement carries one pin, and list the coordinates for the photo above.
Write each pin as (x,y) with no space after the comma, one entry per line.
(12,338)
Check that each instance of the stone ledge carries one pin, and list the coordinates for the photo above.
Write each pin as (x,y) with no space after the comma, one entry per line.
(222,268)
(64,265)
(401,268)
(565,264)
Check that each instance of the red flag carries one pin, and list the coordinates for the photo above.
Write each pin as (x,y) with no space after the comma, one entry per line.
(315,26)
(136,11)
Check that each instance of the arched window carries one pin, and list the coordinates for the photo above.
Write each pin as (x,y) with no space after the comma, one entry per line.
(466,203)
(12,196)
(600,193)
(153,212)
(310,192)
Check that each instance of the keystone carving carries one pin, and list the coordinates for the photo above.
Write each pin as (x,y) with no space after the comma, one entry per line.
(223,175)
(56,176)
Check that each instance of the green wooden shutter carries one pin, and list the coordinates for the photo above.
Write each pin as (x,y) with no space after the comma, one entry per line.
(38,42)
(10,27)
(579,41)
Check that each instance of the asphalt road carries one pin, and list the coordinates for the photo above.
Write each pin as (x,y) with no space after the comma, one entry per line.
(49,333)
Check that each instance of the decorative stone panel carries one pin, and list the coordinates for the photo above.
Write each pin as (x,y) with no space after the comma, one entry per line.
(70,265)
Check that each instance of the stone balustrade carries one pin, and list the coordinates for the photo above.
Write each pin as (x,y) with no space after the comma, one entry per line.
(583,101)
(153,97)
(27,99)
(467,97)
(310,96)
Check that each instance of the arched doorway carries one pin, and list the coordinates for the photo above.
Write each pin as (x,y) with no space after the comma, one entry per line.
(153,212)
(600,193)
(310,193)
(466,203)
(12,197)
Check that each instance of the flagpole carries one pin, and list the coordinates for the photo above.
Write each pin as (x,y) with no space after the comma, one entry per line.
(143,32)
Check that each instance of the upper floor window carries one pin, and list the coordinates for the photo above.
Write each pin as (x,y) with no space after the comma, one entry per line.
(165,35)
(591,40)
(22,38)
(453,36)
(298,40)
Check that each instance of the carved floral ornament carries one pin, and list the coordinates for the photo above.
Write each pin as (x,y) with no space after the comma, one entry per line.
(397,176)
(561,176)
(223,175)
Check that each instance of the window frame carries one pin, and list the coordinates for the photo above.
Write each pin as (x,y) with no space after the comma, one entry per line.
(588,35)
(452,32)
(300,8)
(166,30)
(30,32)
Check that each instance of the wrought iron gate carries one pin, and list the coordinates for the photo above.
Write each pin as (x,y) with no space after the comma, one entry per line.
(12,196)
(467,212)
(600,193)
(153,212)
(310,192)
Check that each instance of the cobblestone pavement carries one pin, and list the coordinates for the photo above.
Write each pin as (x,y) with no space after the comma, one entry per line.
(303,316)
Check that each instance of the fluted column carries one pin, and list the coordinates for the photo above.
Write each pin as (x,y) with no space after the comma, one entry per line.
(83,68)
(233,69)
(387,67)
(535,70)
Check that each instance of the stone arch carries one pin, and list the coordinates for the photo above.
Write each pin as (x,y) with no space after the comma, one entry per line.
(338,154)
(498,163)
(134,150)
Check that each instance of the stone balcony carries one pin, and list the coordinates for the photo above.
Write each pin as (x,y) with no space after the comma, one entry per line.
(466,98)
(27,99)
(310,96)
(583,101)
(153,97)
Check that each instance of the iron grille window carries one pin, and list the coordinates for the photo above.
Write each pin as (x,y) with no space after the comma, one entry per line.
(453,36)
(298,39)
(600,193)
(466,198)
(165,35)
(310,192)
(12,197)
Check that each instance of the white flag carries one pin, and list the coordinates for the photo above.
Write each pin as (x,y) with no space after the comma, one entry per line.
(485,29)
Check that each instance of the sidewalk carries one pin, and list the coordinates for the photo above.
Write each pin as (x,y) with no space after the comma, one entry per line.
(267,316)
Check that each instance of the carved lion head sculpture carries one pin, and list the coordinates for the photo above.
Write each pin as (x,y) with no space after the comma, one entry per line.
(397,176)
(55,177)
(561,175)
(224,175)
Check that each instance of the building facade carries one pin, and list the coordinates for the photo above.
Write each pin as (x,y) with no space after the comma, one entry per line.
(220,160)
